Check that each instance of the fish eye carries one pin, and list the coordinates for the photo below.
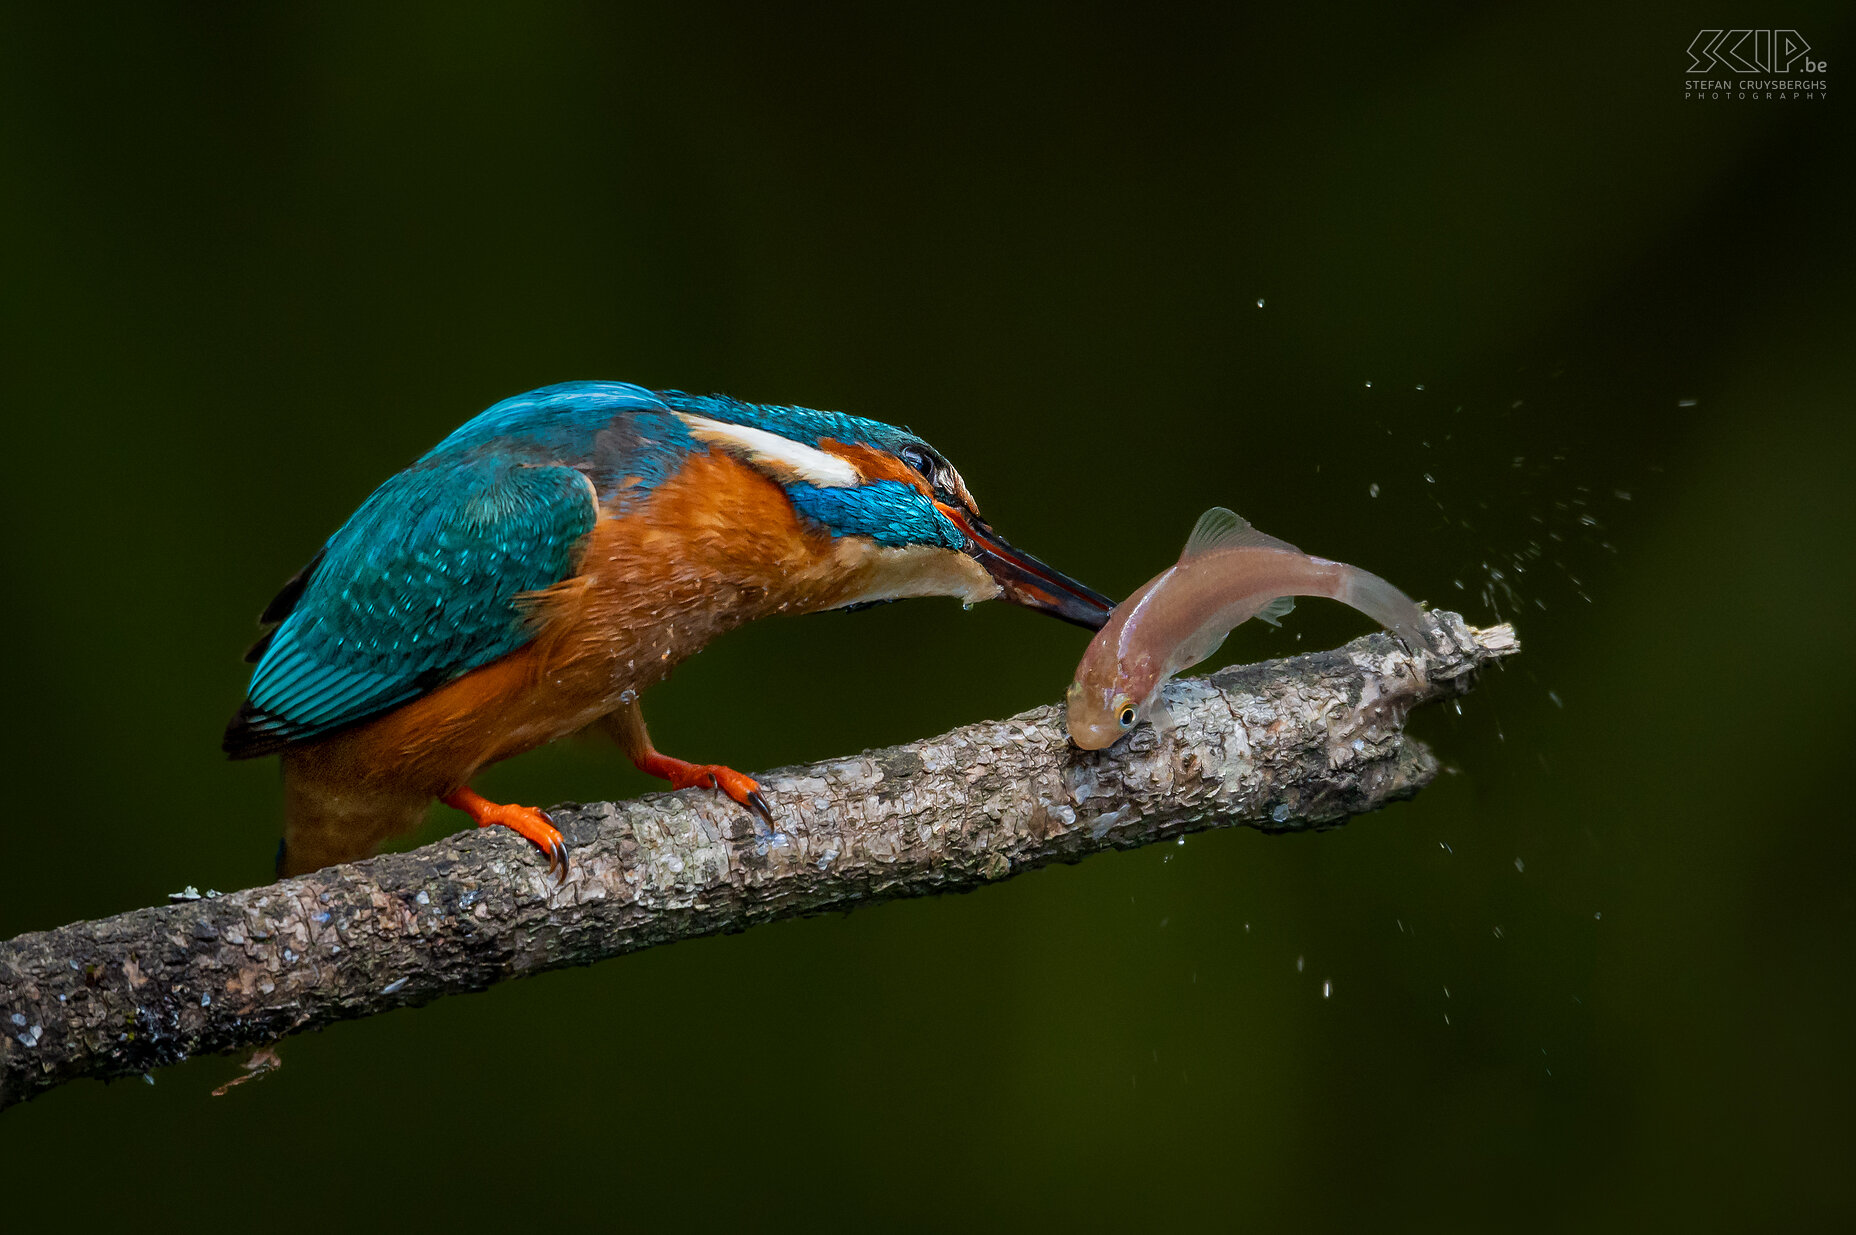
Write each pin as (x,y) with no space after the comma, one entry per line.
(1125,718)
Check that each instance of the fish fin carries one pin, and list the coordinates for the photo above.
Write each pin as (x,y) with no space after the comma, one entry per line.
(1201,645)
(1205,643)
(1276,610)
(1219,528)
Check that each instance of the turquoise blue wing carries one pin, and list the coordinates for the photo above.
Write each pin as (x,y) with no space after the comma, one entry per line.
(417,589)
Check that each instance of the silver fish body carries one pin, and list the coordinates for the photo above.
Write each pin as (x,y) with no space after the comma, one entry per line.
(1228,574)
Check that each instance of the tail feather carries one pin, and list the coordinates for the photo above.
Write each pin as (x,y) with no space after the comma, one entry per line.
(335,821)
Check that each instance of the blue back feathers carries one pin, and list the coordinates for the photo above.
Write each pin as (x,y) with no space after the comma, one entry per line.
(420,586)
(611,430)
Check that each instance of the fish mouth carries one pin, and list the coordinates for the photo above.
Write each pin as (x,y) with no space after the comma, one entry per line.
(1088,732)
(1023,580)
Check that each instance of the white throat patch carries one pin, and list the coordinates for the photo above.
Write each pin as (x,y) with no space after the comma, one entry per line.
(883,573)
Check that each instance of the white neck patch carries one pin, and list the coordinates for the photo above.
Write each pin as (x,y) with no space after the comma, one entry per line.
(781,456)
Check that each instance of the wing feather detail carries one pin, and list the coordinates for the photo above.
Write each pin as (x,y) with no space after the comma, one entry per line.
(420,587)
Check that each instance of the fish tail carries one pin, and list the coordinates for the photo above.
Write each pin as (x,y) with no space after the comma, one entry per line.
(1386,605)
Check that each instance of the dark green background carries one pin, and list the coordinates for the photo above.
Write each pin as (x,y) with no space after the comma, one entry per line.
(258,258)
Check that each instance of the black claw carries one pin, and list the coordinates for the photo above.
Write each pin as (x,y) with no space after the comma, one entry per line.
(556,851)
(758,805)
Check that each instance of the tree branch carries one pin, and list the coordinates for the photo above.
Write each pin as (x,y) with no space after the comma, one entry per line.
(1282,746)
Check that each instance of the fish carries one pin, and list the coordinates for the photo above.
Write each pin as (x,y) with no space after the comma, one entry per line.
(1228,573)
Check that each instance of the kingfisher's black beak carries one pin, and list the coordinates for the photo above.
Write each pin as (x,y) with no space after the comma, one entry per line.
(1026,581)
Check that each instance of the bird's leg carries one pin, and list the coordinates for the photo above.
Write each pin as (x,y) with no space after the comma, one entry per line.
(534,825)
(627,728)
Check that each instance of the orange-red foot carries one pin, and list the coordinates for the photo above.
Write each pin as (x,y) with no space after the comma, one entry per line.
(525,821)
(683,775)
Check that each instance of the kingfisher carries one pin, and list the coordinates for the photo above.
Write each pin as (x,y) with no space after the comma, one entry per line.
(540,568)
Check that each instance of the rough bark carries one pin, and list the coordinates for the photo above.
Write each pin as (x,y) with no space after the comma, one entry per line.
(1282,746)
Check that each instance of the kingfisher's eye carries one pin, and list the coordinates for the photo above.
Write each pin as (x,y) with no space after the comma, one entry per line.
(920,460)
(1126,717)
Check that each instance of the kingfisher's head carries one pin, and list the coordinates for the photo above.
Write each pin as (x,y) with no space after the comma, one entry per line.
(902,520)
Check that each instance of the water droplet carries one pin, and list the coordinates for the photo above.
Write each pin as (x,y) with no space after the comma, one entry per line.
(1369,385)
(1687,402)
(1520,866)
(1298,964)
(1372,490)
(1597,916)
(1429,479)
(1280,812)
(1180,841)
(1555,696)
(1327,988)
(1259,302)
